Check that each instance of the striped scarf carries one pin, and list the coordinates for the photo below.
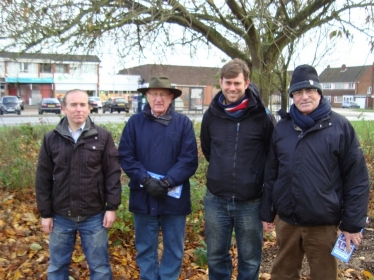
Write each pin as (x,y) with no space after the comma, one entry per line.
(235,110)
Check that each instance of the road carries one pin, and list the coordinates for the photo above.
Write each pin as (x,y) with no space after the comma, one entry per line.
(30,115)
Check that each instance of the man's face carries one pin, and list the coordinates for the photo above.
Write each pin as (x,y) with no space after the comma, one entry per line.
(233,89)
(76,108)
(159,100)
(306,100)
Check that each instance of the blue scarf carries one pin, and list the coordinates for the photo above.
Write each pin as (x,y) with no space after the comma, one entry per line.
(307,121)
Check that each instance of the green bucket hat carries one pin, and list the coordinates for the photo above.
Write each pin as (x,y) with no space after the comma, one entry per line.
(161,82)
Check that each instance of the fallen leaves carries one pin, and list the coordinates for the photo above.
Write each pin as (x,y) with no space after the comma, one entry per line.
(24,252)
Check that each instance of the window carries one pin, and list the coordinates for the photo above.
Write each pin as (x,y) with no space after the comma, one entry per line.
(348,98)
(339,86)
(338,99)
(369,90)
(328,98)
(326,85)
(46,68)
(24,67)
(351,85)
(62,68)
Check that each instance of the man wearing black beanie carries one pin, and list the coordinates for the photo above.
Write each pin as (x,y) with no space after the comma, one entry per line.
(316,182)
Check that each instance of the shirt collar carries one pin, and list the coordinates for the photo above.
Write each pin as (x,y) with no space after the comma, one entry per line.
(81,128)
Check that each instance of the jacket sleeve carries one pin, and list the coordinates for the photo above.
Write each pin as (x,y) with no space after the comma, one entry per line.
(267,210)
(205,136)
(44,180)
(268,130)
(112,174)
(133,168)
(187,160)
(355,181)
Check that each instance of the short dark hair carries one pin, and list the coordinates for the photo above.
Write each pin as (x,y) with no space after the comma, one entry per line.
(71,91)
(233,68)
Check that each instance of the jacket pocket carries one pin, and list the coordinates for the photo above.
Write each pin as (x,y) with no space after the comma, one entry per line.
(93,154)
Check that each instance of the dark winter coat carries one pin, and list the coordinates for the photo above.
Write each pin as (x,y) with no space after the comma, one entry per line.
(77,179)
(318,177)
(169,150)
(236,148)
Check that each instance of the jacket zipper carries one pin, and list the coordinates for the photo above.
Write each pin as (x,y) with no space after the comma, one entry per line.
(234,163)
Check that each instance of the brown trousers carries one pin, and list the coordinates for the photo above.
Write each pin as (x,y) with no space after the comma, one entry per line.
(296,241)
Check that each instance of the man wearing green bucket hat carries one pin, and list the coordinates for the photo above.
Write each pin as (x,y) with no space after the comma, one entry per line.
(158,152)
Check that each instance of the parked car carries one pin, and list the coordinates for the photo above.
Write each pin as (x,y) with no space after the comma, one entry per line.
(98,100)
(118,104)
(49,105)
(94,104)
(350,104)
(9,105)
(21,102)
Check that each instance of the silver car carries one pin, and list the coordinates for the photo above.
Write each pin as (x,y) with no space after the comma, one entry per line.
(9,105)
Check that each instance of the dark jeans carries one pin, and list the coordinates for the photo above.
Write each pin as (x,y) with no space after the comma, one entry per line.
(221,218)
(147,230)
(94,239)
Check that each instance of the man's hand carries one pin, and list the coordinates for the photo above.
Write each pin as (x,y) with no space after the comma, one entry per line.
(109,218)
(155,188)
(47,225)
(352,237)
(268,227)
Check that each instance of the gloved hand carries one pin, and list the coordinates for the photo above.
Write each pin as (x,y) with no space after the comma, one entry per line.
(155,187)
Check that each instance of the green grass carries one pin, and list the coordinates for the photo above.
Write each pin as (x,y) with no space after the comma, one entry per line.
(19,147)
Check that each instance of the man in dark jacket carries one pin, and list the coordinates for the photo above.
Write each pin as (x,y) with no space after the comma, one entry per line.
(78,188)
(235,139)
(158,152)
(316,180)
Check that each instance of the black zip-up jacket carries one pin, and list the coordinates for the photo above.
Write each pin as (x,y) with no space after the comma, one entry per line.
(236,148)
(77,179)
(317,177)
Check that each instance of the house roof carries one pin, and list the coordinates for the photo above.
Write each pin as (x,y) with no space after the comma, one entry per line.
(49,57)
(180,75)
(343,74)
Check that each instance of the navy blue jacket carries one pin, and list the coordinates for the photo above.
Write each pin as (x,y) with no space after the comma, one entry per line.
(169,150)
(236,148)
(318,177)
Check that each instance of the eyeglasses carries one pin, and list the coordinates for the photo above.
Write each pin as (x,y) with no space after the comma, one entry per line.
(155,94)
(308,91)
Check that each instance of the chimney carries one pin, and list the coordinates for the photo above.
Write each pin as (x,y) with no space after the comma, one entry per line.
(344,67)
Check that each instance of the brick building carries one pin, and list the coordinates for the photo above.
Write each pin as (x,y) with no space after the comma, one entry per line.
(198,84)
(344,84)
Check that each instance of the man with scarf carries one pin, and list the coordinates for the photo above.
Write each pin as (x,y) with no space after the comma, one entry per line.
(316,181)
(158,152)
(235,139)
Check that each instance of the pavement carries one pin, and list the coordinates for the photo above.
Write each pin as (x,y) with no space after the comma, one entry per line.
(32,110)
(351,114)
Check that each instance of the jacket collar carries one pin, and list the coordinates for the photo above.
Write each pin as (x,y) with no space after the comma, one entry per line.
(63,128)
(164,119)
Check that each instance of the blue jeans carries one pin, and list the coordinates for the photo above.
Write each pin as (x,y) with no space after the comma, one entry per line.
(222,216)
(94,238)
(146,241)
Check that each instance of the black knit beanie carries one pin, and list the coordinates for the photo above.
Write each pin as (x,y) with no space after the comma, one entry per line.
(304,76)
